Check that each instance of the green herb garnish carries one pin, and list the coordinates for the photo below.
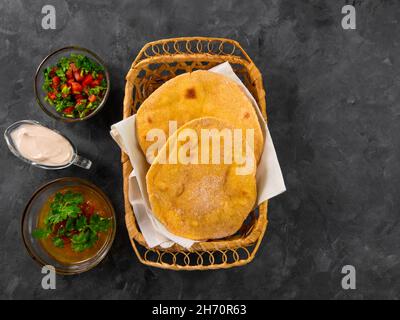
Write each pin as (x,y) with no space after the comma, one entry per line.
(72,221)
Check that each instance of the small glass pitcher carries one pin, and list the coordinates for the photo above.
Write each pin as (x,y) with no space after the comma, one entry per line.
(76,159)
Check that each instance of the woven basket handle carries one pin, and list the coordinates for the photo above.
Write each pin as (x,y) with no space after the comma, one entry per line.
(192,46)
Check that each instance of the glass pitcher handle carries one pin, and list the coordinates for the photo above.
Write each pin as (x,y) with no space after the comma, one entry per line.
(82,162)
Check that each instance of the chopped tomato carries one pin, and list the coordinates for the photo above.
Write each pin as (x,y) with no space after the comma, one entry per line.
(52,72)
(59,225)
(95,83)
(87,80)
(66,239)
(79,100)
(73,67)
(78,104)
(52,95)
(87,209)
(69,110)
(100,76)
(92,98)
(76,87)
(69,74)
(77,76)
(56,81)
(78,97)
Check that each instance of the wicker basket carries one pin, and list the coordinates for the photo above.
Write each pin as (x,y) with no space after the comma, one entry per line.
(156,63)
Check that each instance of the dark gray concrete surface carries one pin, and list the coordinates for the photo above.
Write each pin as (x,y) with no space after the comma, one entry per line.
(333,104)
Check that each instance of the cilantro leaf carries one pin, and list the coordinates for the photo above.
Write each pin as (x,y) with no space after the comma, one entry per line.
(85,64)
(61,231)
(83,240)
(61,74)
(81,223)
(99,224)
(41,233)
(64,206)
(69,225)
(58,242)
(63,63)
(73,198)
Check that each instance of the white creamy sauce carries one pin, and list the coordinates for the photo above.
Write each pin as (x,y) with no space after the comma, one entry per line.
(42,145)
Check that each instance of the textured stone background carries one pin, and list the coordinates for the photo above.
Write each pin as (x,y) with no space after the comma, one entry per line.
(333,104)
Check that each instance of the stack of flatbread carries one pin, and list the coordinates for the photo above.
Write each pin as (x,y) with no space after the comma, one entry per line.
(196,199)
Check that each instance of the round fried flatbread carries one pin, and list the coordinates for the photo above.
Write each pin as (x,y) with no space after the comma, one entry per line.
(202,201)
(194,95)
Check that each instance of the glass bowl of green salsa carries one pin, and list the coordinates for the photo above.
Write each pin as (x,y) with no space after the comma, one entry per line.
(69,224)
(72,84)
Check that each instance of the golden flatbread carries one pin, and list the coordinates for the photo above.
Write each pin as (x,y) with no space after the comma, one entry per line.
(194,95)
(201,201)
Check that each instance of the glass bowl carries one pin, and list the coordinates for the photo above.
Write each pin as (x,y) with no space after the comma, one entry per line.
(30,219)
(52,59)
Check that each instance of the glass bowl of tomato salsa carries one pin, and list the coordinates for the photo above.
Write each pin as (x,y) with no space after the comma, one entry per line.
(72,84)
(81,228)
